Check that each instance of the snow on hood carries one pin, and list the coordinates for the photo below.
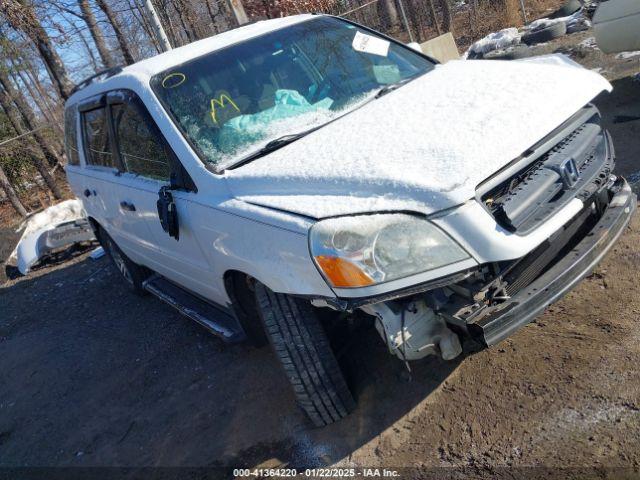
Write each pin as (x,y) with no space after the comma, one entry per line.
(424,147)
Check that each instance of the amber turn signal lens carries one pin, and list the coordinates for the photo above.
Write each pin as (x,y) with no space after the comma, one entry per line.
(342,273)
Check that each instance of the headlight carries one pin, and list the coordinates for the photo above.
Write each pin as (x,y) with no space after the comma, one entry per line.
(368,249)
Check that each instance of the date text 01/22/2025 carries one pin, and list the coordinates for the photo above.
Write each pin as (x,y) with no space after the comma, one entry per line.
(315,473)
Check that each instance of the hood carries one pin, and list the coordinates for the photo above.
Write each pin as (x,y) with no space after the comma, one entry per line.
(424,147)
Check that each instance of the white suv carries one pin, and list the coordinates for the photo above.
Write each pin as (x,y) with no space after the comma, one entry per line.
(295,177)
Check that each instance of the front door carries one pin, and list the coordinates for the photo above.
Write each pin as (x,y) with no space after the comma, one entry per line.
(147,164)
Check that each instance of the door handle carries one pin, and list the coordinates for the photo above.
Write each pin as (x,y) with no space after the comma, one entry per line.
(130,207)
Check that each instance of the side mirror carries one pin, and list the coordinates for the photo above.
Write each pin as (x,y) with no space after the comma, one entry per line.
(415,46)
(167,212)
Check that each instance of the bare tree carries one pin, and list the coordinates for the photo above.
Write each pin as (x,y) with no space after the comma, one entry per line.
(22,16)
(434,17)
(389,13)
(447,20)
(11,194)
(39,161)
(29,117)
(115,24)
(96,33)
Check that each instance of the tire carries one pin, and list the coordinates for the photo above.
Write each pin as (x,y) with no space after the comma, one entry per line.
(513,53)
(545,34)
(133,274)
(302,346)
(579,25)
(569,8)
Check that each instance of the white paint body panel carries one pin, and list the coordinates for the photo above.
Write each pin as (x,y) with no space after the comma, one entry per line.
(439,136)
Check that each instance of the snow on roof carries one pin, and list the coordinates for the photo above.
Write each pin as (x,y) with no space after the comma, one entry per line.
(144,69)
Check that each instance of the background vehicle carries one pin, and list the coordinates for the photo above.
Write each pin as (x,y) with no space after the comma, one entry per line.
(309,176)
(616,24)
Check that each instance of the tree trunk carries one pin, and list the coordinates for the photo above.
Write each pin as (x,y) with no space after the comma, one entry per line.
(11,194)
(389,13)
(184,16)
(434,17)
(213,16)
(87,47)
(163,13)
(49,96)
(447,21)
(96,34)
(42,105)
(29,118)
(39,162)
(122,41)
(22,16)
(138,13)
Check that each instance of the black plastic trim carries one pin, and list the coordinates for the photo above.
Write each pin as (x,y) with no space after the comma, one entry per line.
(561,278)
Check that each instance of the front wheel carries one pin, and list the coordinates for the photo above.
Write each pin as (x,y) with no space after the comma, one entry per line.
(302,346)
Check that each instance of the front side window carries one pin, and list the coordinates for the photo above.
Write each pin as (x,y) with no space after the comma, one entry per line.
(97,142)
(140,144)
(71,135)
(231,102)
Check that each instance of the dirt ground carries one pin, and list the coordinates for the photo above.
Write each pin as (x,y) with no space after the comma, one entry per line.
(92,375)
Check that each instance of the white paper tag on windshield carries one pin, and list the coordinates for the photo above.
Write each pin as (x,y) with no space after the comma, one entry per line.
(368,44)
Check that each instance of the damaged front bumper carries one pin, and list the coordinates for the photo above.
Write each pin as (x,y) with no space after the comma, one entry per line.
(491,302)
(559,279)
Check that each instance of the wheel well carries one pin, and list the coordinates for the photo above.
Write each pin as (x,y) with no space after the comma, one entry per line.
(240,289)
(96,227)
(94,223)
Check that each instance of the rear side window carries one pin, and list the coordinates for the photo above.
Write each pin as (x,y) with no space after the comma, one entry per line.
(140,143)
(71,135)
(97,142)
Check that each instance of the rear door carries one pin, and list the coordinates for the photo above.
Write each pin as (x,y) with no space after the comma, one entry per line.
(95,181)
(148,163)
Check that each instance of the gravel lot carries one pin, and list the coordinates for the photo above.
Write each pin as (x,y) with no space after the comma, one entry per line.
(91,375)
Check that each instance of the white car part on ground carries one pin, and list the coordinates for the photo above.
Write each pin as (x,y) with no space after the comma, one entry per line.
(31,247)
(414,331)
(617,26)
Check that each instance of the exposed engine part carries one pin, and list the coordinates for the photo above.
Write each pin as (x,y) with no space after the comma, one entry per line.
(412,330)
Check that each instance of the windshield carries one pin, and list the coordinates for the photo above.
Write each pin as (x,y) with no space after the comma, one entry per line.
(231,102)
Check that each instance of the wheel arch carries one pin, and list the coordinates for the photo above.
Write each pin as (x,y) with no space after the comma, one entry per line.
(239,287)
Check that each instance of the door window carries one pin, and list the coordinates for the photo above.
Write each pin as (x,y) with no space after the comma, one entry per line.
(140,143)
(97,142)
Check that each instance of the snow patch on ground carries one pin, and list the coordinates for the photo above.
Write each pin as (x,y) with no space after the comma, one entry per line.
(589,42)
(625,55)
(570,20)
(494,41)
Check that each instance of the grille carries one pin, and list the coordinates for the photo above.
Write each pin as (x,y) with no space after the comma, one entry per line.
(577,166)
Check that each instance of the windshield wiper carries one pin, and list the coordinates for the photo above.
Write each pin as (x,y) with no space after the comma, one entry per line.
(391,87)
(271,146)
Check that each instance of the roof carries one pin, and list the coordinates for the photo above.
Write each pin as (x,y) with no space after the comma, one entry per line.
(145,69)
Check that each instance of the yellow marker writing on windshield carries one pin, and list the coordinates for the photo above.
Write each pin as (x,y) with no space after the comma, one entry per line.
(221,102)
(176,78)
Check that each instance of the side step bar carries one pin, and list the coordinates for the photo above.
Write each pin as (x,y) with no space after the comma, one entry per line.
(206,314)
